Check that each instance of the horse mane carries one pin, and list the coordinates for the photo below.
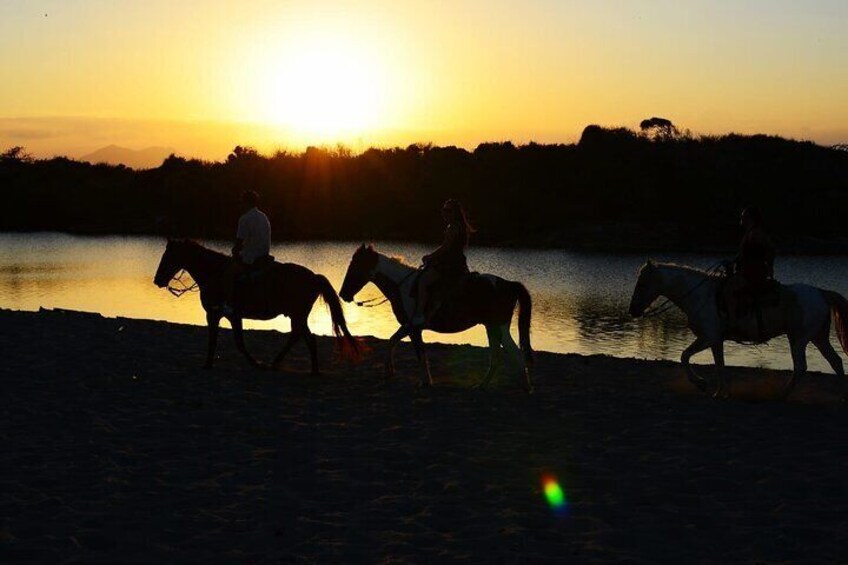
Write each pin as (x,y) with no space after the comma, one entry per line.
(203,249)
(400,259)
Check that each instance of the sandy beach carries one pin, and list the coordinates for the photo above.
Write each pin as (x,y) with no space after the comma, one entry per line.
(118,448)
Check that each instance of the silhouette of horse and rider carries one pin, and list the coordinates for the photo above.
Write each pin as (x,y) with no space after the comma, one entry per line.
(746,305)
(443,296)
(743,303)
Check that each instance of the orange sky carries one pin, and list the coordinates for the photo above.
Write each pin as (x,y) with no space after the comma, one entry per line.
(203,76)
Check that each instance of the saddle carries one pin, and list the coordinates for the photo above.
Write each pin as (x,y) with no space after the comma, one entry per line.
(751,304)
(444,289)
(249,282)
(256,270)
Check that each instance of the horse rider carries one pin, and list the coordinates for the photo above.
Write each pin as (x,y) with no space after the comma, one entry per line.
(446,265)
(753,266)
(252,245)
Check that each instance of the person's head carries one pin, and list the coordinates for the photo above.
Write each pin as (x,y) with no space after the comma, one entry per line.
(750,218)
(454,213)
(249,199)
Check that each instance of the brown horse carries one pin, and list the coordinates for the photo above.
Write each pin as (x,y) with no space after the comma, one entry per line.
(280,288)
(480,299)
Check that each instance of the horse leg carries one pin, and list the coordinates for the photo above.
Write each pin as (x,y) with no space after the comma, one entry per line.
(697,346)
(798,348)
(822,343)
(511,348)
(722,380)
(238,337)
(494,335)
(313,348)
(294,337)
(401,333)
(213,321)
(421,352)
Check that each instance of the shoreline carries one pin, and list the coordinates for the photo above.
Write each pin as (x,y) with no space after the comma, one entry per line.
(619,243)
(118,447)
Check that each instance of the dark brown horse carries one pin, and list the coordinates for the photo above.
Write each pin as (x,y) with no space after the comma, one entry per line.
(280,288)
(480,299)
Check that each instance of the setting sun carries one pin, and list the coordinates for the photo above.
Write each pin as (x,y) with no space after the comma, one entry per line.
(320,90)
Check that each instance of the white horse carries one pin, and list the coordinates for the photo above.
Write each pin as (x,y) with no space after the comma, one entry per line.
(803,314)
(484,299)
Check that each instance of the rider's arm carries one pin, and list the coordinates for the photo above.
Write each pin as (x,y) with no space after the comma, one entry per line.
(242,234)
(450,235)
(770,254)
(237,247)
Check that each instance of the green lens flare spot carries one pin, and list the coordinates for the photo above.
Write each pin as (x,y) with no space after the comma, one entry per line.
(554,494)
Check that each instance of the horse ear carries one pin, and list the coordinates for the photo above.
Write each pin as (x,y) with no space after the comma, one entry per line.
(370,247)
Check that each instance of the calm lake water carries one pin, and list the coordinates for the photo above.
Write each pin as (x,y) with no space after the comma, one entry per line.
(580,300)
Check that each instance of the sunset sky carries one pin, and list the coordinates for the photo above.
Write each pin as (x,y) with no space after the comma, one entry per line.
(201,76)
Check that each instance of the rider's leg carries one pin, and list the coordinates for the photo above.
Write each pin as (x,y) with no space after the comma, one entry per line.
(732,289)
(228,285)
(425,281)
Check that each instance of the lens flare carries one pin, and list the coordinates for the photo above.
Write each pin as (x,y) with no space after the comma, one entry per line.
(554,494)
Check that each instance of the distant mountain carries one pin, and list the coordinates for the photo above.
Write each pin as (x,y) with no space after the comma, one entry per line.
(148,158)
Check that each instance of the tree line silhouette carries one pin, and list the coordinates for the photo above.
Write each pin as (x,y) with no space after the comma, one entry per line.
(616,189)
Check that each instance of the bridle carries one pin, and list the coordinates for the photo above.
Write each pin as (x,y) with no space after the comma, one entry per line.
(667,304)
(183,286)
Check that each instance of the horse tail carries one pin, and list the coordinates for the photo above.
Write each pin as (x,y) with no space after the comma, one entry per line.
(525,312)
(839,310)
(349,345)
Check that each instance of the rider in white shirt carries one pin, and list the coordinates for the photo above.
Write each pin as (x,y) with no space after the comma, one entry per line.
(253,238)
(253,243)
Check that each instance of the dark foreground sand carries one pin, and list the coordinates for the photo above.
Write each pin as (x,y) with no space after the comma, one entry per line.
(116,447)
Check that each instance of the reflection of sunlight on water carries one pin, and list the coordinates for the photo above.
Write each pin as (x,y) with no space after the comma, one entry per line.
(579,300)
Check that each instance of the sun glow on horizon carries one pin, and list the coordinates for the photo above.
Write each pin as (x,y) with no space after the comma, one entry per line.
(320,89)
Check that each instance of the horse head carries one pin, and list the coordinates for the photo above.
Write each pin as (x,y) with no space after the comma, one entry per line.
(647,289)
(360,272)
(170,263)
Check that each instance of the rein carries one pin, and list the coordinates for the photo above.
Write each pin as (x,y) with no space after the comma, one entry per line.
(667,304)
(183,286)
(365,303)
(369,302)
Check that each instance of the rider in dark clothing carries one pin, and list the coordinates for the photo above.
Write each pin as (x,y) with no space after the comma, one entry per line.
(754,264)
(445,265)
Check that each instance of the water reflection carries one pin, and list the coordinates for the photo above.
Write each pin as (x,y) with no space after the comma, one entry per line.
(580,300)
